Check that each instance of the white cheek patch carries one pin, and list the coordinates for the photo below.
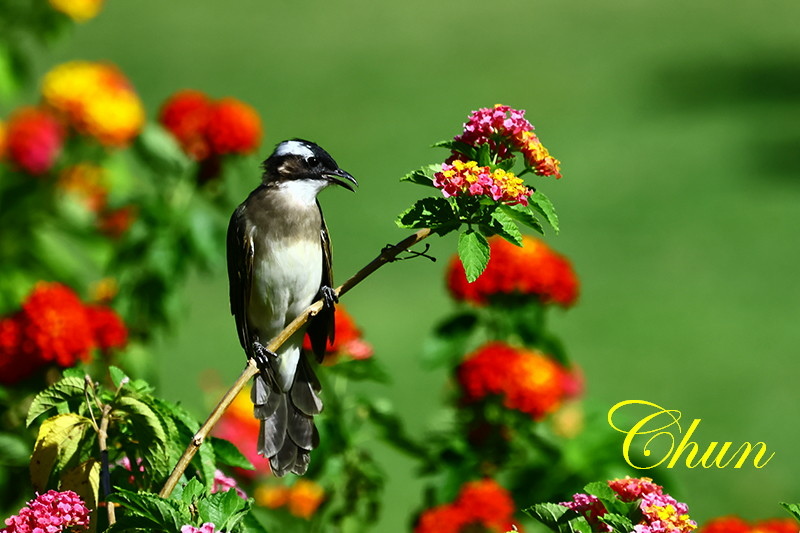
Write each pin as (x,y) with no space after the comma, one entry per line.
(294,148)
(303,192)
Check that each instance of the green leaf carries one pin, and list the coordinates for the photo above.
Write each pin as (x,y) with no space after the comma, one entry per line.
(361,370)
(422,176)
(68,388)
(619,523)
(428,212)
(225,509)
(504,225)
(543,205)
(459,146)
(146,510)
(793,508)
(523,214)
(156,147)
(190,492)
(250,524)
(601,490)
(447,343)
(473,250)
(117,376)
(228,454)
(484,154)
(559,518)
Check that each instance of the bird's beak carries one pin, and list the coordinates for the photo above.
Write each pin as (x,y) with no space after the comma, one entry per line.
(338,176)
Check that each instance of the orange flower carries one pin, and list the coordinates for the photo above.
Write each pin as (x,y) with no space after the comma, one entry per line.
(206,128)
(88,182)
(97,100)
(78,10)
(305,497)
(532,270)
(348,339)
(480,506)
(115,222)
(527,380)
(272,496)
(34,139)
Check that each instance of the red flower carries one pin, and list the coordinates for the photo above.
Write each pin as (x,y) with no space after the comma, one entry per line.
(480,506)
(527,381)
(108,328)
(14,364)
(55,325)
(34,139)
(726,524)
(115,222)
(233,127)
(52,511)
(185,115)
(532,270)
(348,339)
(205,128)
(775,525)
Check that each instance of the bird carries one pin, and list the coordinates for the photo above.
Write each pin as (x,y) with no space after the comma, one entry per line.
(279,262)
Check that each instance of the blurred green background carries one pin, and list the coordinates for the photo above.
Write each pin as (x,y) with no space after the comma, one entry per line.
(678,125)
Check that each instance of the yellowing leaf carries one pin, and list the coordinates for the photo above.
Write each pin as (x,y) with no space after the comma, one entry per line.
(84,480)
(58,440)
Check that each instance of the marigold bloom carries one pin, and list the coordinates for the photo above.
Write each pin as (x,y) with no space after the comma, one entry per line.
(533,269)
(347,341)
(481,506)
(107,326)
(34,138)
(97,100)
(305,497)
(55,325)
(50,512)
(527,381)
(78,10)
(468,179)
(88,182)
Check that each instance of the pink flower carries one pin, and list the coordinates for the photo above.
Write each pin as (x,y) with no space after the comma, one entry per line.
(50,512)
(460,178)
(34,140)
(208,527)
(223,483)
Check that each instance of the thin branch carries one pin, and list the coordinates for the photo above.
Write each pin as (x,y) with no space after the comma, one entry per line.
(387,255)
(105,475)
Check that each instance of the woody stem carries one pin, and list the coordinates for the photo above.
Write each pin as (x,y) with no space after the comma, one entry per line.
(387,255)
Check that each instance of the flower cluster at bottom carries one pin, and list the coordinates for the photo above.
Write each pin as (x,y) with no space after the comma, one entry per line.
(52,511)
(660,512)
(734,524)
(480,506)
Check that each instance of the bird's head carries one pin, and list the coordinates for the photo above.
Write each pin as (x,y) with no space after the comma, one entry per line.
(298,160)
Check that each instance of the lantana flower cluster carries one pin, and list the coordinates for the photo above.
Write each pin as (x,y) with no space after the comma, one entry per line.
(55,327)
(660,512)
(34,138)
(302,499)
(533,269)
(50,512)
(480,506)
(78,10)
(348,339)
(526,380)
(206,128)
(95,99)
(468,179)
(734,524)
(506,130)
(208,527)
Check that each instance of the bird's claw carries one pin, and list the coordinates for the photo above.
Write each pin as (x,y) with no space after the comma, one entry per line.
(329,296)
(262,356)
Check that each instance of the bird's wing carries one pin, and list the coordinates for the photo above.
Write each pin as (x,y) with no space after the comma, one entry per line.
(321,327)
(240,273)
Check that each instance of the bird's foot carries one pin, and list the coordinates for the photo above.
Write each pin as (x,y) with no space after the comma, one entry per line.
(262,358)
(329,296)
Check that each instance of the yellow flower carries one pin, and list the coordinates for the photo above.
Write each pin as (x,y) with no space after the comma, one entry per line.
(78,10)
(305,497)
(271,496)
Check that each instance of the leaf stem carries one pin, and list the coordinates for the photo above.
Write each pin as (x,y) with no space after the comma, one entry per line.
(105,474)
(387,255)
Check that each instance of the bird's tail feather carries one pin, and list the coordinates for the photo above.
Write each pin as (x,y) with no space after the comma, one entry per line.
(287,432)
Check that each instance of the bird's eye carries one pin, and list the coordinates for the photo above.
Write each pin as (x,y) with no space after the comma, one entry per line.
(312,161)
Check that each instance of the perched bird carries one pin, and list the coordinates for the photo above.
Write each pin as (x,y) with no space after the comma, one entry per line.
(279,262)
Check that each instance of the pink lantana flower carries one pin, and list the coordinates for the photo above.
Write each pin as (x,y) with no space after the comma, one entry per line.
(50,512)
(223,483)
(208,527)
(467,178)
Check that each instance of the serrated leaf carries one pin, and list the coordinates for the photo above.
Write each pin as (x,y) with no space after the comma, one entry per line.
(189,492)
(459,146)
(619,523)
(64,390)
(225,509)
(228,454)
(600,489)
(473,250)
(422,176)
(504,225)
(84,480)
(793,508)
(559,518)
(117,375)
(58,440)
(147,508)
(428,212)
(543,205)
(522,213)
(149,433)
